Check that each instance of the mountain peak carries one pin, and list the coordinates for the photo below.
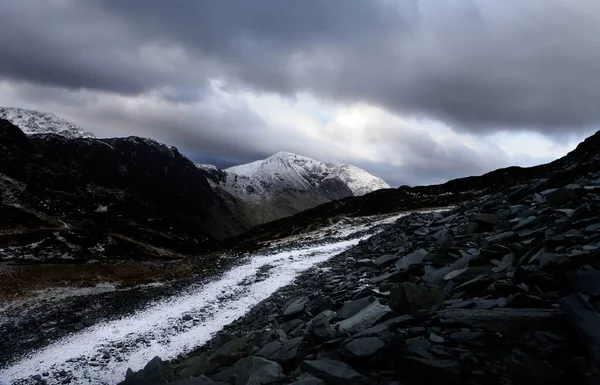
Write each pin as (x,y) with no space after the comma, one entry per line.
(36,122)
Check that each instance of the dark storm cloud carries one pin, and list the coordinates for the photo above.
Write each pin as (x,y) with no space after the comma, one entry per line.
(476,65)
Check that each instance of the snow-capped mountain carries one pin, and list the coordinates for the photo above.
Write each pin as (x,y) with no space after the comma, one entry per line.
(285,170)
(36,122)
(286,183)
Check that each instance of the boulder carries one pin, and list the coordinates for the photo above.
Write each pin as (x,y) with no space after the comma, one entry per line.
(351,308)
(363,319)
(155,372)
(256,371)
(230,352)
(319,329)
(295,306)
(414,258)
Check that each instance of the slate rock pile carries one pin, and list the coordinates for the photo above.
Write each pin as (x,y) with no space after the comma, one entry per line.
(504,289)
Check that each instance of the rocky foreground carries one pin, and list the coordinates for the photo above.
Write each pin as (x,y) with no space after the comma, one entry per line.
(503,289)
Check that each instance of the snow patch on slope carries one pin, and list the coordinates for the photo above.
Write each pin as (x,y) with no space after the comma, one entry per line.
(36,122)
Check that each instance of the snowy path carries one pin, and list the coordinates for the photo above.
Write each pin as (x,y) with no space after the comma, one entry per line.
(102,353)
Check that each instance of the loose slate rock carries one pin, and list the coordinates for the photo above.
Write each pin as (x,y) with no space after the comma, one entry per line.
(256,371)
(408,298)
(319,329)
(335,372)
(230,352)
(414,258)
(385,260)
(362,347)
(364,319)
(295,306)
(155,372)
(286,353)
(585,320)
(352,308)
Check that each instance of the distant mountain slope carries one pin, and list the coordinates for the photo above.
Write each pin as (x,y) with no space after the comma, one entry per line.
(36,122)
(585,158)
(101,199)
(286,183)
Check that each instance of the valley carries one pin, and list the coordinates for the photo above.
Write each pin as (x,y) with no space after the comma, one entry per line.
(94,335)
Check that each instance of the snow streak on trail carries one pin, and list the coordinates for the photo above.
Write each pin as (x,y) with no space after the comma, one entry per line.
(102,353)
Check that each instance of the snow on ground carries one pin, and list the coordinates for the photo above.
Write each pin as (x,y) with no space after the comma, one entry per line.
(102,353)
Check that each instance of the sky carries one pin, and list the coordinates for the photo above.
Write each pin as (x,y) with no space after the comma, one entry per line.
(414,91)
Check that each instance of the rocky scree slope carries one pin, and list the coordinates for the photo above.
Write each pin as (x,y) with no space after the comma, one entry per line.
(86,199)
(36,122)
(414,198)
(503,289)
(286,183)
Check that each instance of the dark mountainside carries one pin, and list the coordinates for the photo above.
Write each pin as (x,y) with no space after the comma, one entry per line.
(412,198)
(114,202)
(502,289)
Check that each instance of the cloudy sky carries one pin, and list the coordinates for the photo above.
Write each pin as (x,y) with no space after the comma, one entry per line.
(416,92)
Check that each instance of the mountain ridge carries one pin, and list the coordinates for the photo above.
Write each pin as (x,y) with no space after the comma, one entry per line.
(286,183)
(33,122)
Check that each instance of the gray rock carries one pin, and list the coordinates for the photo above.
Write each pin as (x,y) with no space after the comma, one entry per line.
(414,258)
(256,371)
(362,347)
(353,307)
(501,237)
(444,241)
(559,196)
(408,298)
(524,223)
(281,353)
(385,260)
(364,319)
(436,339)
(230,352)
(335,372)
(320,305)
(155,372)
(295,306)
(319,329)
(269,349)
(586,322)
